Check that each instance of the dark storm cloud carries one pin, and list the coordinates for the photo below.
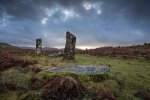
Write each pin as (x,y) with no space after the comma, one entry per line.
(135,9)
(92,21)
(34,9)
(22,9)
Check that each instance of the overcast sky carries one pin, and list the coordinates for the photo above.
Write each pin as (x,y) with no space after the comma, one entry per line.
(95,23)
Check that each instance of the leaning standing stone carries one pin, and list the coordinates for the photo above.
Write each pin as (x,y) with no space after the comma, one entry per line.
(69,51)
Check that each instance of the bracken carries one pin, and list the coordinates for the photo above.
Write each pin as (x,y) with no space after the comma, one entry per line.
(62,87)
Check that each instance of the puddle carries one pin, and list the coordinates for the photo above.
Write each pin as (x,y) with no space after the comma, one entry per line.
(81,69)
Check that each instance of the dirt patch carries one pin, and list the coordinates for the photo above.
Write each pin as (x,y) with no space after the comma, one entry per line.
(62,87)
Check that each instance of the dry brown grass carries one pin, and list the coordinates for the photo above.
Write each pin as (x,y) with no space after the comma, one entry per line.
(62,87)
(11,58)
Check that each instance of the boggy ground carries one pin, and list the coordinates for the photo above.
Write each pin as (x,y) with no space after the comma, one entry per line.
(129,78)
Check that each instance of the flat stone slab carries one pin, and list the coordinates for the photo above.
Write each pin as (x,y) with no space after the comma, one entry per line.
(81,69)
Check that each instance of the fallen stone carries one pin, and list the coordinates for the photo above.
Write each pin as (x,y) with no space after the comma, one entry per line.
(81,69)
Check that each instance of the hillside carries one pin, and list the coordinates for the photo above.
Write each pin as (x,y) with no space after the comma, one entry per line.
(6,45)
(141,50)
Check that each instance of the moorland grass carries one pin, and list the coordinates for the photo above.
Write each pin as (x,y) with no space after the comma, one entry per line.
(128,76)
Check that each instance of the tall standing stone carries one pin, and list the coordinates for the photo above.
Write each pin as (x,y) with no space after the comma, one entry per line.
(69,52)
(38,46)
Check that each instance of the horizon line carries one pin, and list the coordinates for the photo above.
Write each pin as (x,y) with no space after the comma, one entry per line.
(77,47)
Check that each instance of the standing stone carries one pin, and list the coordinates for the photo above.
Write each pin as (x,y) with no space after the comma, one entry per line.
(69,52)
(86,51)
(38,46)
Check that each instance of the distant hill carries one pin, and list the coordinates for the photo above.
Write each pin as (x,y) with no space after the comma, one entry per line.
(25,47)
(44,48)
(6,45)
(49,48)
